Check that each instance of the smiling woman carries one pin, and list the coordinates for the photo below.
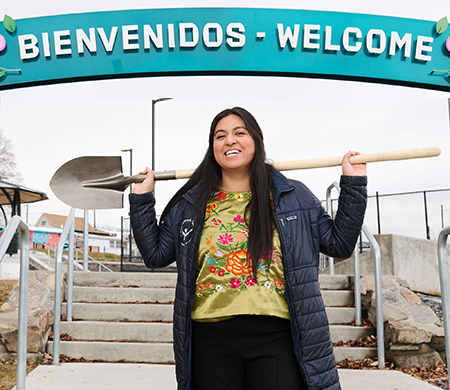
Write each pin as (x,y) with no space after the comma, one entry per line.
(248,288)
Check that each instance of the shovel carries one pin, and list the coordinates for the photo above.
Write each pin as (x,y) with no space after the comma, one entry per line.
(97,182)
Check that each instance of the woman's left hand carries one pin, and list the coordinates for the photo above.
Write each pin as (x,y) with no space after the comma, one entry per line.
(349,169)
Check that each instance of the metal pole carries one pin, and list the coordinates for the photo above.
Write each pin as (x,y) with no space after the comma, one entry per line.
(58,266)
(86,241)
(442,216)
(154,101)
(357,285)
(445,284)
(378,213)
(426,214)
(23,306)
(70,272)
(121,244)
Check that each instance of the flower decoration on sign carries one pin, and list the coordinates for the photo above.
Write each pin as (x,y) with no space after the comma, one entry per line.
(441,26)
(10,26)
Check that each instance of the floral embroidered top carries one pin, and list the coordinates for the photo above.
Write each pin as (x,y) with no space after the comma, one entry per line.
(225,286)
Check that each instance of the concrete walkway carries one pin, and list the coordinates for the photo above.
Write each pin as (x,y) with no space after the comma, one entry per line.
(108,376)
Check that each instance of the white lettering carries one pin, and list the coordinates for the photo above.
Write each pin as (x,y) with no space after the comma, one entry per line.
(59,42)
(369,41)
(328,45)
(421,47)
(236,39)
(82,39)
(212,28)
(308,36)
(184,27)
(397,42)
(127,37)
(46,44)
(171,31)
(108,44)
(346,39)
(149,34)
(284,36)
(28,46)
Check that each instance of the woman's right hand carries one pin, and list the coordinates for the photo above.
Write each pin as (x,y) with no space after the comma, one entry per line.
(147,185)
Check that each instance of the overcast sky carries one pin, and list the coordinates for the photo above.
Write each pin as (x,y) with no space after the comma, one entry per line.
(301,118)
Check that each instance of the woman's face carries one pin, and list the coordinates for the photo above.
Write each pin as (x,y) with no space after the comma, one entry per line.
(233,146)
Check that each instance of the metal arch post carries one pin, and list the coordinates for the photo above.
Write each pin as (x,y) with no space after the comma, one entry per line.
(445,283)
(14,224)
(58,266)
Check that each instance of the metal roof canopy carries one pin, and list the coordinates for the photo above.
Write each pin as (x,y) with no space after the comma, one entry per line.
(13,195)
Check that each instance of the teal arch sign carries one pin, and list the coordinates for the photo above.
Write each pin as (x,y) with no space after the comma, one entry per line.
(224,41)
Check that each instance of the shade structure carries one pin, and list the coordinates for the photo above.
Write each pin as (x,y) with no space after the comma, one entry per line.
(14,195)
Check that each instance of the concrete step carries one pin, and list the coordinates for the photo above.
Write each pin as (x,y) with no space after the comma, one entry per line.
(347,332)
(118,331)
(338,298)
(335,282)
(120,312)
(125,279)
(110,352)
(341,353)
(126,294)
(340,315)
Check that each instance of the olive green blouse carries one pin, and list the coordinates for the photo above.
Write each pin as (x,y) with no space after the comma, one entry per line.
(225,286)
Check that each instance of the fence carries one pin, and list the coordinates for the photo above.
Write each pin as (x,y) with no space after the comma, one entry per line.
(419,214)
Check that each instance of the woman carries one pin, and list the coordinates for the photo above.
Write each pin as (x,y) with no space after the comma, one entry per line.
(248,311)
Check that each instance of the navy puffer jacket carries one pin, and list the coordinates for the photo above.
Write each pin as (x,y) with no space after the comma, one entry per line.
(305,229)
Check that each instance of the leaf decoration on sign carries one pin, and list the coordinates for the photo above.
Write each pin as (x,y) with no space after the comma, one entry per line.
(442,25)
(9,23)
(4,72)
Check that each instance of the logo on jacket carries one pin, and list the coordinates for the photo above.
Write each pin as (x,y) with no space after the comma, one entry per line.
(186,230)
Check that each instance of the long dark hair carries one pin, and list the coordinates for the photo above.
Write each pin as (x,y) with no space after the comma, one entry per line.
(260,241)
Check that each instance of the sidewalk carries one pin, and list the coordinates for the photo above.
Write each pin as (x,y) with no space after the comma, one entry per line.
(108,376)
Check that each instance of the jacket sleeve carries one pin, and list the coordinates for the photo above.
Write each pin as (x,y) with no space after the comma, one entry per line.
(338,237)
(156,243)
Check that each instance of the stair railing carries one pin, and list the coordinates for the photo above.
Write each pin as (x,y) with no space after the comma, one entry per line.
(17,223)
(68,227)
(357,289)
(445,283)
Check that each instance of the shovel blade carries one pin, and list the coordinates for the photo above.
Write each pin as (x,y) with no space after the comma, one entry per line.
(67,183)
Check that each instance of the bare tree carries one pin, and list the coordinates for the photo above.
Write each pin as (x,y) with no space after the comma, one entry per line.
(8,170)
(8,166)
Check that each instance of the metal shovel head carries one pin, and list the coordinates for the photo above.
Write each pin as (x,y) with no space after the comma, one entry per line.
(67,182)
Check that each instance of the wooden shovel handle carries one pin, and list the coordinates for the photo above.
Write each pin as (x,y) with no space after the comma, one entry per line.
(405,154)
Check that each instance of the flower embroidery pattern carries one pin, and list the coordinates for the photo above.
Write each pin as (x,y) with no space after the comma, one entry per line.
(239,263)
(227,263)
(225,239)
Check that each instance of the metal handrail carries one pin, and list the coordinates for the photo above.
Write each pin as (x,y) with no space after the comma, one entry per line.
(445,283)
(58,265)
(17,223)
(378,283)
(100,264)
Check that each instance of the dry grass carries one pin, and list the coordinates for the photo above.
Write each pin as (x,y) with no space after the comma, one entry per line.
(6,285)
(8,368)
(8,371)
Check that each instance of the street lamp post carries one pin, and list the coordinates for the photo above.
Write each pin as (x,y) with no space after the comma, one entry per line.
(154,101)
(131,191)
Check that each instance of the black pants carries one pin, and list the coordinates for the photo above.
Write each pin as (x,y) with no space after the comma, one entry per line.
(245,353)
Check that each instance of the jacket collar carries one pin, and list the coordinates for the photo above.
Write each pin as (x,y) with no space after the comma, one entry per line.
(280,184)
(192,193)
